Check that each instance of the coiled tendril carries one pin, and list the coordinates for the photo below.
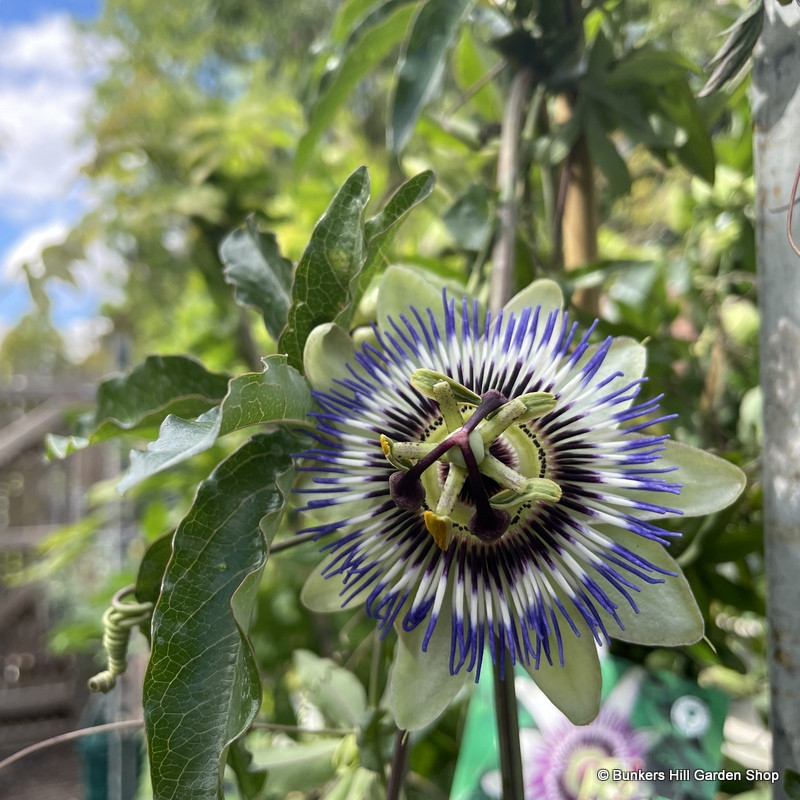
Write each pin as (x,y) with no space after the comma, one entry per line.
(117,623)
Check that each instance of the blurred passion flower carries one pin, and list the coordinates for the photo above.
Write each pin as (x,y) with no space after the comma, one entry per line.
(489,482)
(560,760)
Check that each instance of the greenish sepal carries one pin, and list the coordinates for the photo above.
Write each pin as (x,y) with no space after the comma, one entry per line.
(420,684)
(327,352)
(709,483)
(668,613)
(574,688)
(401,288)
(543,292)
(326,595)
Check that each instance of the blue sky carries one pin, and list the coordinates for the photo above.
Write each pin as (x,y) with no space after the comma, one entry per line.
(33,10)
(47,68)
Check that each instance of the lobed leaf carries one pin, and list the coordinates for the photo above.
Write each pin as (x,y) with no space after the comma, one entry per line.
(202,688)
(379,232)
(333,257)
(261,276)
(160,384)
(277,394)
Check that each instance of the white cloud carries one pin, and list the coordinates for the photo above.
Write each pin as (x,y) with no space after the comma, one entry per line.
(82,337)
(98,277)
(28,250)
(47,71)
(45,87)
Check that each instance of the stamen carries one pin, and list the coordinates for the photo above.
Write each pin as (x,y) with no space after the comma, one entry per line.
(537,489)
(520,409)
(424,381)
(443,395)
(465,449)
(441,528)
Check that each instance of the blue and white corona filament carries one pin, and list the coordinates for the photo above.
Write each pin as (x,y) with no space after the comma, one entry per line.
(489,475)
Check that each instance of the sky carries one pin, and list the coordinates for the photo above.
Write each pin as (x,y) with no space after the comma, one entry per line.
(47,69)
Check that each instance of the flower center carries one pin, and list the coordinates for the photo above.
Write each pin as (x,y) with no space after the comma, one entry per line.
(472,424)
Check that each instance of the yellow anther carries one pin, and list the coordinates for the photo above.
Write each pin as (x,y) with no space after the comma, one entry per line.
(441,528)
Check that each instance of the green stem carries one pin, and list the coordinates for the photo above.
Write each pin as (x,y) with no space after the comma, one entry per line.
(398,768)
(288,544)
(501,284)
(505,705)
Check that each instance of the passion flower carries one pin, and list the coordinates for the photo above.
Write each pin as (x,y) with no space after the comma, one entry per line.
(488,483)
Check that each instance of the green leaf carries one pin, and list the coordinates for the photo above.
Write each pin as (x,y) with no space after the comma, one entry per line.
(733,55)
(333,257)
(261,276)
(152,568)
(335,691)
(469,219)
(379,232)
(349,13)
(678,105)
(358,62)
(159,385)
(604,154)
(201,688)
(298,767)
(249,778)
(791,784)
(470,68)
(420,67)
(648,66)
(278,394)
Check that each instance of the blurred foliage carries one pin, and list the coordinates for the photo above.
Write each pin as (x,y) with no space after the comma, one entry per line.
(218,112)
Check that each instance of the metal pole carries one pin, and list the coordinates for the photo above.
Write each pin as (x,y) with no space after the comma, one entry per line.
(776,112)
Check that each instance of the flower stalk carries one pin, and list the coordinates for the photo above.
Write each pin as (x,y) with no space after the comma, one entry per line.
(398,768)
(508,741)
